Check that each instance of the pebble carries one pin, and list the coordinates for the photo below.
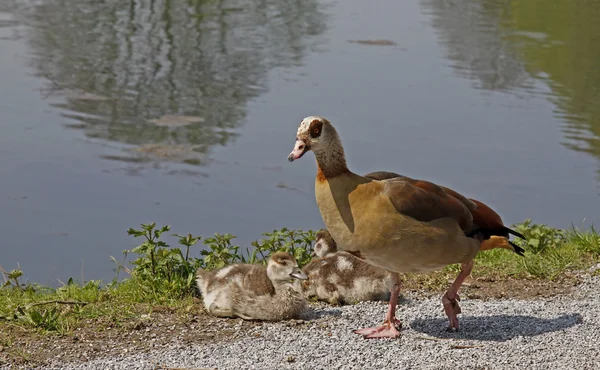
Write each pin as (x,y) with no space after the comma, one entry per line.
(559,332)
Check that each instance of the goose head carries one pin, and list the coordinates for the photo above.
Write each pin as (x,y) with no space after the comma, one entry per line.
(314,133)
(324,244)
(282,266)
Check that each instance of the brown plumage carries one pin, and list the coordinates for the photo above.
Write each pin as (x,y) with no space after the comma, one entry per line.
(254,292)
(325,243)
(338,277)
(398,223)
(486,222)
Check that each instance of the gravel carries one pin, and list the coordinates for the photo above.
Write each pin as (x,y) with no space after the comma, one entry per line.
(562,332)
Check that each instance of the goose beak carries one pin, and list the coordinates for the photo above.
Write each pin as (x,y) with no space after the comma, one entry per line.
(300,148)
(298,274)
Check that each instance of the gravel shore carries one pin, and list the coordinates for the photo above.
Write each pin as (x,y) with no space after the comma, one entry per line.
(562,332)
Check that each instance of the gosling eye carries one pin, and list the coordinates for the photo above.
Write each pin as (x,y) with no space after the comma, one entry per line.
(283,263)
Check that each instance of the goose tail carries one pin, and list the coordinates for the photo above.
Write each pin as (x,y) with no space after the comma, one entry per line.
(501,242)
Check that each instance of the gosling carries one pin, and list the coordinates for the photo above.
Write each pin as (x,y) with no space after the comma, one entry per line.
(340,277)
(254,292)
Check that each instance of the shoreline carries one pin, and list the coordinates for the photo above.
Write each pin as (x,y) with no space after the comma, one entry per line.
(156,306)
(495,334)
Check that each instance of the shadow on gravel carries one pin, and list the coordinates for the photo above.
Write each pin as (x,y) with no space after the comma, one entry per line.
(496,328)
(317,314)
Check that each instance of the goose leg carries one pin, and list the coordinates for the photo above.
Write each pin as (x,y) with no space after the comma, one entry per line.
(451,298)
(388,328)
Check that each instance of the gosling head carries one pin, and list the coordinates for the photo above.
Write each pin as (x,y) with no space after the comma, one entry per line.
(324,244)
(314,133)
(282,267)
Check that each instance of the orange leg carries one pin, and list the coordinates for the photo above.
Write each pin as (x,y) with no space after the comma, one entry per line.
(451,298)
(388,328)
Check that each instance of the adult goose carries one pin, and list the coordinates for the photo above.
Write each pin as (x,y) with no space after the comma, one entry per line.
(395,222)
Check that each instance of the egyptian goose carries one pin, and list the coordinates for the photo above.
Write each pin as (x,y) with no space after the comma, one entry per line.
(397,223)
(254,292)
(339,277)
(324,244)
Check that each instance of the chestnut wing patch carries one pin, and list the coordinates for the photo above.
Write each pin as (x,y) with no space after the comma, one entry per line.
(485,217)
(426,201)
(384,175)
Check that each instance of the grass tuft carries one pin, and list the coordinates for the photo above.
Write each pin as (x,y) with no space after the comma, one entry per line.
(161,275)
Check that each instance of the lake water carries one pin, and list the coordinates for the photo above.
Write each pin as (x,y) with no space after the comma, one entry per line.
(499,100)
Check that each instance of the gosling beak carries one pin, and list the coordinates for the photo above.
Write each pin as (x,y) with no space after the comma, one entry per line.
(313,254)
(298,274)
(300,148)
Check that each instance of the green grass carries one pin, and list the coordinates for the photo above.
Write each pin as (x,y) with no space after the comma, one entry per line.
(160,275)
(63,309)
(549,253)
(163,276)
(549,264)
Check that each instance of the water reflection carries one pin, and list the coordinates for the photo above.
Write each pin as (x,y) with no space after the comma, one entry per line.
(126,71)
(509,45)
(559,43)
(474,40)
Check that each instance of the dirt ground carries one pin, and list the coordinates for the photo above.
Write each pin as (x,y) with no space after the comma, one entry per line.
(485,288)
(22,347)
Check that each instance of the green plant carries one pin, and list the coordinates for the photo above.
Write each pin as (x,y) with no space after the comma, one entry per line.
(45,318)
(551,263)
(296,242)
(587,241)
(163,272)
(11,279)
(89,292)
(30,304)
(220,253)
(539,237)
